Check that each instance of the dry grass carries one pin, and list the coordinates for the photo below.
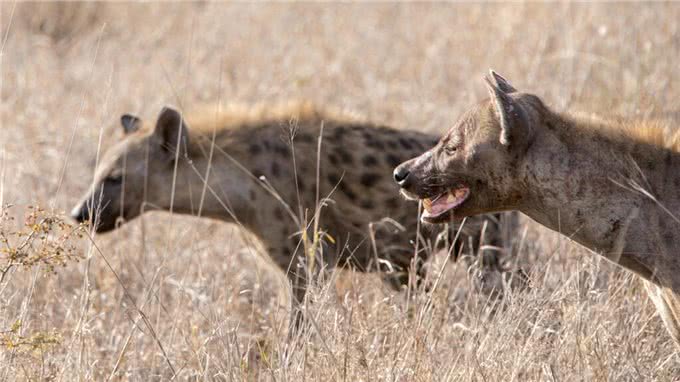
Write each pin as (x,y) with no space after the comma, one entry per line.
(199,306)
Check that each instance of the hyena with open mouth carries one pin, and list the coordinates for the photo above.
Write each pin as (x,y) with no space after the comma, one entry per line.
(259,168)
(612,186)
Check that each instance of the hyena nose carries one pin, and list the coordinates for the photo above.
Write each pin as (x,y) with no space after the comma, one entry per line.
(80,213)
(401,175)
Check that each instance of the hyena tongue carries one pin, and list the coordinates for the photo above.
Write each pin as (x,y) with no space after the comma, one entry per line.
(443,203)
(446,202)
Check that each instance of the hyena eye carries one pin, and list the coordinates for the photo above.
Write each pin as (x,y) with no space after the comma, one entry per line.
(450,150)
(114,179)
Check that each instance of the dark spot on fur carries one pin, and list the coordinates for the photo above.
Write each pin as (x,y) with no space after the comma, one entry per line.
(386,130)
(394,144)
(276,171)
(669,239)
(651,165)
(369,160)
(345,157)
(347,191)
(393,160)
(667,234)
(417,144)
(333,159)
(254,149)
(550,125)
(369,179)
(304,138)
(300,185)
(375,144)
(392,203)
(281,150)
(334,179)
(253,195)
(339,133)
(278,213)
(366,204)
(266,145)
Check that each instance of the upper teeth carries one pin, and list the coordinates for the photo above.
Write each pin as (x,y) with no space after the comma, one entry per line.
(427,204)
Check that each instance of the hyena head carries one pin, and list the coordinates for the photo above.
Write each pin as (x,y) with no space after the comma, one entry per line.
(474,168)
(137,170)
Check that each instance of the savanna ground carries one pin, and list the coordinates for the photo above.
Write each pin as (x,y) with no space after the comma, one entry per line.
(174,297)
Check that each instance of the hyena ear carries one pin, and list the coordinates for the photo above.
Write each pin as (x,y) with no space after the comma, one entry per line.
(500,82)
(130,123)
(171,130)
(510,114)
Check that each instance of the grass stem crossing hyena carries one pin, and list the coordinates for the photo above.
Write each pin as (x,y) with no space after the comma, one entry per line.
(265,168)
(612,186)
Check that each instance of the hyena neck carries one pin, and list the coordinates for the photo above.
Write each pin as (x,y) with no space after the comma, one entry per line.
(212,193)
(573,183)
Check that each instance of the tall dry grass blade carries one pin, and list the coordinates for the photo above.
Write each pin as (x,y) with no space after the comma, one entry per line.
(212,140)
(134,304)
(76,120)
(4,39)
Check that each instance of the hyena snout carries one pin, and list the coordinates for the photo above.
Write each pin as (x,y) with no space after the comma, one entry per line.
(407,176)
(102,218)
(80,213)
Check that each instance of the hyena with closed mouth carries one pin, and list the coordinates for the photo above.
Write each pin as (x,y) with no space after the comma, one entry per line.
(262,174)
(612,186)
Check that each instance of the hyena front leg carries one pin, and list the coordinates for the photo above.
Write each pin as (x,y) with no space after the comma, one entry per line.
(294,269)
(400,262)
(297,270)
(299,282)
(403,253)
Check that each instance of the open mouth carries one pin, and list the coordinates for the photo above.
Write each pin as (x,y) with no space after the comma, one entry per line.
(445,202)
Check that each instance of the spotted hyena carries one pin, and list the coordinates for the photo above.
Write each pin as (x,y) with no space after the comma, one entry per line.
(612,186)
(268,170)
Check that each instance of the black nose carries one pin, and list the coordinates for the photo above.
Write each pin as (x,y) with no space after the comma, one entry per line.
(401,175)
(81,214)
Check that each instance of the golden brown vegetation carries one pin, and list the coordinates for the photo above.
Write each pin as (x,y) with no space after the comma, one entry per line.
(168,296)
